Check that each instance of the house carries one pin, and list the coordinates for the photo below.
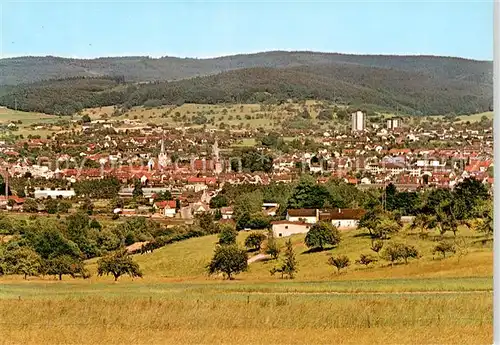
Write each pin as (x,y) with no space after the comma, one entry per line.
(284,228)
(199,207)
(17,202)
(166,207)
(57,193)
(307,215)
(226,212)
(270,208)
(343,218)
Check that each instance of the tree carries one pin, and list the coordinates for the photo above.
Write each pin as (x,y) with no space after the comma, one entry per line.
(392,252)
(470,193)
(118,263)
(227,235)
(30,205)
(254,240)
(246,207)
(366,259)
(94,224)
(137,192)
(63,206)
(50,242)
(424,222)
(397,251)
(24,261)
(272,248)
(308,194)
(66,264)
(161,196)
(229,260)
(206,222)
(87,206)
(325,115)
(51,206)
(444,247)
(341,261)
(409,251)
(86,118)
(218,201)
(322,234)
(289,265)
(386,227)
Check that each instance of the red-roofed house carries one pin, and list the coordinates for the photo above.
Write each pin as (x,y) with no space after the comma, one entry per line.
(166,207)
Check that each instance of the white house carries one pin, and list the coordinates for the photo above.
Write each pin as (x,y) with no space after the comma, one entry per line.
(45,193)
(307,215)
(343,218)
(284,228)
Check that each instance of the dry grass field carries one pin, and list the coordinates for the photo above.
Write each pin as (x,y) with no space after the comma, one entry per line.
(427,301)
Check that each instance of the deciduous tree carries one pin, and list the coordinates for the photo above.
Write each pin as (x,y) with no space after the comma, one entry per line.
(229,260)
(322,234)
(118,264)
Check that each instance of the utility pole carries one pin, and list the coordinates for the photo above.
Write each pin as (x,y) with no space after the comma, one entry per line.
(15,103)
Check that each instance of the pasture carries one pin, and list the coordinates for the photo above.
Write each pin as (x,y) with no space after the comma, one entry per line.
(28,118)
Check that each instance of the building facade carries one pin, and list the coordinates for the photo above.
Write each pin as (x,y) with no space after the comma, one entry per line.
(358,121)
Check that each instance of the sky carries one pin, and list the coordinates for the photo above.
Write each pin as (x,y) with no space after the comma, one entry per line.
(87,29)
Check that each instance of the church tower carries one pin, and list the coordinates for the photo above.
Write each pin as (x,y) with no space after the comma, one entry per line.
(162,157)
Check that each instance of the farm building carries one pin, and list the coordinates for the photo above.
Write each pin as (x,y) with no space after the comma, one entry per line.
(307,215)
(284,228)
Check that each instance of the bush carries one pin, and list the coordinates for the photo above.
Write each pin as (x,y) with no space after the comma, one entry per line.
(444,247)
(341,261)
(366,259)
(254,240)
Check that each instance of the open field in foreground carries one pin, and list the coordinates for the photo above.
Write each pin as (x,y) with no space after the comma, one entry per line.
(166,313)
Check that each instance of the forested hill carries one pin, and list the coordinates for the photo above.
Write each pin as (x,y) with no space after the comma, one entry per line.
(373,88)
(15,71)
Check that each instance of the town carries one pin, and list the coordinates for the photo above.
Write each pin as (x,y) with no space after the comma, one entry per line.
(330,181)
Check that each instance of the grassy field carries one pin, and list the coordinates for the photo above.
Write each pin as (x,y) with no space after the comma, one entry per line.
(430,300)
(476,117)
(27,119)
(173,313)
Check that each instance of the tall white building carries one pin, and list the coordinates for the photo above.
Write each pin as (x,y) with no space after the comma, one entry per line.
(393,123)
(358,121)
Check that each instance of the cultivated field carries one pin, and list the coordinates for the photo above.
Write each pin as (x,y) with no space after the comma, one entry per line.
(430,300)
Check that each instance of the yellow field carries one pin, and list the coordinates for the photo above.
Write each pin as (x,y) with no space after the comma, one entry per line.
(215,319)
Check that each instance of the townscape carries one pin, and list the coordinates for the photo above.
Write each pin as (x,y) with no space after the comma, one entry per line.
(277,197)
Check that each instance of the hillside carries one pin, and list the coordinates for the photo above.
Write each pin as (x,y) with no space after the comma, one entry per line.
(378,88)
(140,68)
(186,260)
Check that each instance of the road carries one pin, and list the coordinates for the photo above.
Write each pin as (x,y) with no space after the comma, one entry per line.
(257,257)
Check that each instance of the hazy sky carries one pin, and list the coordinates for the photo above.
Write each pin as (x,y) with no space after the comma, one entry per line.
(201,29)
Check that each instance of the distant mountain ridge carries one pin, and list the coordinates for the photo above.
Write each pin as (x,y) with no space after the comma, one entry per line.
(423,85)
(20,70)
